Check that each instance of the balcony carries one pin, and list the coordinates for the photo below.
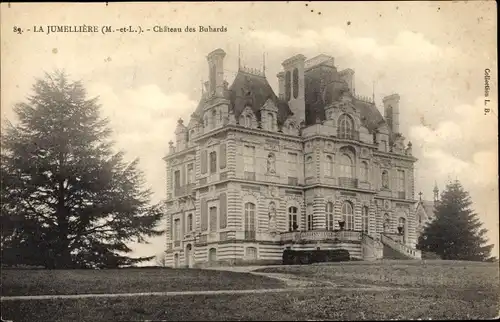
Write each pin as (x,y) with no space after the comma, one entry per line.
(320,235)
(184,190)
(348,182)
(293,181)
(249,175)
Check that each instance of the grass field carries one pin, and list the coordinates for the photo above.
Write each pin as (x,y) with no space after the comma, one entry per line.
(435,290)
(48,282)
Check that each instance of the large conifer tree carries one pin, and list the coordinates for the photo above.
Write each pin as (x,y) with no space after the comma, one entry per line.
(67,199)
(455,232)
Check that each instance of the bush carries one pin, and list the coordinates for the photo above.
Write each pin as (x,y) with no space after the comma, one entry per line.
(430,255)
(301,257)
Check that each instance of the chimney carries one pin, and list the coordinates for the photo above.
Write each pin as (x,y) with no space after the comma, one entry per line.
(216,72)
(347,75)
(294,85)
(281,82)
(391,112)
(181,135)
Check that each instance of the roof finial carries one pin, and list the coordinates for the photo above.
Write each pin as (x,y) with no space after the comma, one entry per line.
(264,64)
(239,57)
(373,94)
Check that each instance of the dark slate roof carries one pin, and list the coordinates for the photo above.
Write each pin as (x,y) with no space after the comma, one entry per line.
(254,90)
(324,86)
(428,207)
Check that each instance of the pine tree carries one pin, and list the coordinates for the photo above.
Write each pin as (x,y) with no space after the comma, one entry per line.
(455,233)
(67,199)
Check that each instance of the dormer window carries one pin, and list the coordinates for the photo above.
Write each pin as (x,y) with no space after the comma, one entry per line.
(345,127)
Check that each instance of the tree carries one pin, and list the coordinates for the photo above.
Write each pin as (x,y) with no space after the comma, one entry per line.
(161,260)
(67,199)
(455,232)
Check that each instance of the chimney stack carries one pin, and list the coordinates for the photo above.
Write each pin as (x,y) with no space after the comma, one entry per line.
(216,72)
(294,85)
(391,112)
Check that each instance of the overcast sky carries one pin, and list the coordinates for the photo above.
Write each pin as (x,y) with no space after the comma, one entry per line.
(434,55)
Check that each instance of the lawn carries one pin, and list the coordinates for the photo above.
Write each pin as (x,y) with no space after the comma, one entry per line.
(430,290)
(294,306)
(404,273)
(48,282)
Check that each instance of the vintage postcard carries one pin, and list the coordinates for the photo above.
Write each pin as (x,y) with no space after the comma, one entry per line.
(223,161)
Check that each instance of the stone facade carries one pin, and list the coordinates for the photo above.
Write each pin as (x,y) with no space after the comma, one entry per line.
(254,172)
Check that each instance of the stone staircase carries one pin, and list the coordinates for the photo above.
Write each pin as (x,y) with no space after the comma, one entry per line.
(396,250)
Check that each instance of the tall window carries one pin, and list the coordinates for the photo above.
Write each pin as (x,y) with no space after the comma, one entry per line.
(348,215)
(213,218)
(401,182)
(329,216)
(292,219)
(213,162)
(295,83)
(364,221)
(387,223)
(310,218)
(177,179)
(251,253)
(270,122)
(364,171)
(177,229)
(249,220)
(309,167)
(345,127)
(249,162)
(383,144)
(346,166)
(288,85)
(292,165)
(190,177)
(329,166)
(385,179)
(189,226)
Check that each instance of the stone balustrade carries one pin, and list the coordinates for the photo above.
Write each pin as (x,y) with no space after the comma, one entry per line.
(321,235)
(402,248)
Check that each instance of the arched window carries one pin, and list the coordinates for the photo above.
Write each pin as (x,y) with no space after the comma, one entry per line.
(249,220)
(248,122)
(292,219)
(212,255)
(345,127)
(309,167)
(387,223)
(329,166)
(220,116)
(346,166)
(270,122)
(329,216)
(364,171)
(365,219)
(213,162)
(348,215)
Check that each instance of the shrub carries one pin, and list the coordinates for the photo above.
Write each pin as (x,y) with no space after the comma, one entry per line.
(300,257)
(430,255)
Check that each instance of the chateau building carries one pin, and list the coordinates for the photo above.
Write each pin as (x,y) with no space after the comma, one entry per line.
(315,166)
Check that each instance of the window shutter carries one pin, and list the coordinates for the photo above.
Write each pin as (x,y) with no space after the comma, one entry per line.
(203,162)
(171,227)
(222,156)
(204,215)
(223,210)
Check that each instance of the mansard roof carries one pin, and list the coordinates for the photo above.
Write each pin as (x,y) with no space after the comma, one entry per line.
(323,86)
(254,90)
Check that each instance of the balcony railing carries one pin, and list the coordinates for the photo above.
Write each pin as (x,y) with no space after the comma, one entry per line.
(402,248)
(401,195)
(321,235)
(183,190)
(348,182)
(293,181)
(349,136)
(249,234)
(249,175)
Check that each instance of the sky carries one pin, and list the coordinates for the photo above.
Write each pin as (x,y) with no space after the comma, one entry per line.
(433,54)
